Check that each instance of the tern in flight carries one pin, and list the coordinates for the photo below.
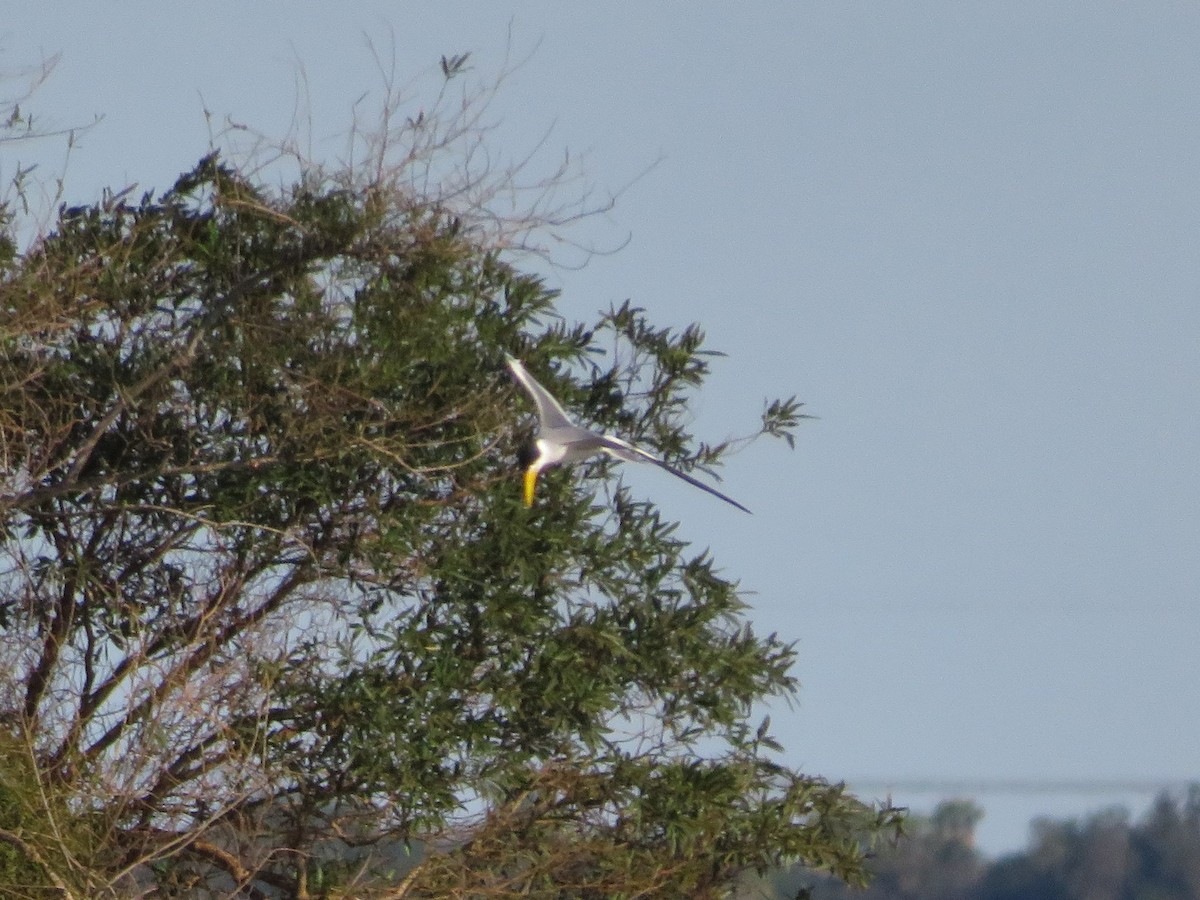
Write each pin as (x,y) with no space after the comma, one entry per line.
(560,441)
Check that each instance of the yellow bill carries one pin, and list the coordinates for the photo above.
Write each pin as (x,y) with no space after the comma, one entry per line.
(530,483)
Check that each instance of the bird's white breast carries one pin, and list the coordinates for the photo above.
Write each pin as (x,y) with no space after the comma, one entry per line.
(549,453)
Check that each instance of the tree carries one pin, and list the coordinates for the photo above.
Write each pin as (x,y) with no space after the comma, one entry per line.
(1097,857)
(934,860)
(277,620)
(19,126)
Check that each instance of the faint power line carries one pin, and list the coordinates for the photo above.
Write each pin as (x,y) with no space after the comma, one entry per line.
(992,786)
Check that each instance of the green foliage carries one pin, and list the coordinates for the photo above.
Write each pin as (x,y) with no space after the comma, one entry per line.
(272,597)
(17,869)
(39,833)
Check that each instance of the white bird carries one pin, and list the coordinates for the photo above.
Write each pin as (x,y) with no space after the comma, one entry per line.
(560,441)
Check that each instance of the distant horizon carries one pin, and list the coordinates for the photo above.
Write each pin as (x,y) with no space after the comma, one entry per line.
(985,785)
(1011,807)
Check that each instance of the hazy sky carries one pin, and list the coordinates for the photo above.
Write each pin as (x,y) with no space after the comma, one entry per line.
(965,234)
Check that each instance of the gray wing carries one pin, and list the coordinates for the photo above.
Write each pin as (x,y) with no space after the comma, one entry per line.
(621,449)
(551,414)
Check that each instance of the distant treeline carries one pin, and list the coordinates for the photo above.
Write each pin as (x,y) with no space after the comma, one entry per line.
(1105,856)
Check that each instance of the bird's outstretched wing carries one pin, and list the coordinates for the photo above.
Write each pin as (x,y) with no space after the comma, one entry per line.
(551,414)
(622,449)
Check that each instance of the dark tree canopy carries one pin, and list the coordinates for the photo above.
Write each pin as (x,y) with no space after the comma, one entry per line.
(1103,856)
(275,617)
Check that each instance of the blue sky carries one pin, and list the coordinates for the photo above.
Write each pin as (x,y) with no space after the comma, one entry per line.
(965,234)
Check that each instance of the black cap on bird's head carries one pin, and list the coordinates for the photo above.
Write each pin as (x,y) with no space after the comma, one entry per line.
(529,456)
(526,454)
